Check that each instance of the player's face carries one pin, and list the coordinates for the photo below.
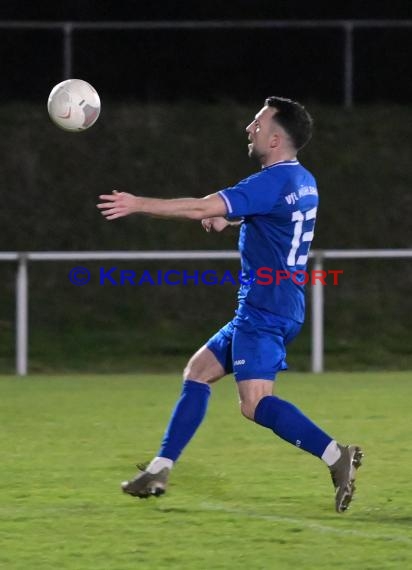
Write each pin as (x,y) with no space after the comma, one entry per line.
(261,132)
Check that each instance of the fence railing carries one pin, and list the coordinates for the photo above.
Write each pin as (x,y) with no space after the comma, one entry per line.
(317,289)
(346,26)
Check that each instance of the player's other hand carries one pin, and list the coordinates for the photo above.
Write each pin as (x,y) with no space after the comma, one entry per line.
(117,205)
(217,224)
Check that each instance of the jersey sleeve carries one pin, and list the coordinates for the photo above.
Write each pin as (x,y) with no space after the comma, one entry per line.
(254,195)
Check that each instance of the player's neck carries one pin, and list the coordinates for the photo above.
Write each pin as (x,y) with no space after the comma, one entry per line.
(277,157)
(272,163)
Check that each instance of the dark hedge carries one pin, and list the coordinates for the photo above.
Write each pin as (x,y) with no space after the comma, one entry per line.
(50,183)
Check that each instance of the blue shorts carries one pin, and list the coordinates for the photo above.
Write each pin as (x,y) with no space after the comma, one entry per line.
(253,345)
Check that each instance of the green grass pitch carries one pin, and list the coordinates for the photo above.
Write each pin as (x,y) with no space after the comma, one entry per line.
(239,498)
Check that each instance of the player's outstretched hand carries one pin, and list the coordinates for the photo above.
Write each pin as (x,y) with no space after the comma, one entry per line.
(117,205)
(217,224)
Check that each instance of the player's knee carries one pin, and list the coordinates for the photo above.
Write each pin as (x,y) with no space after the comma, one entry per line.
(195,372)
(247,409)
(189,372)
(203,368)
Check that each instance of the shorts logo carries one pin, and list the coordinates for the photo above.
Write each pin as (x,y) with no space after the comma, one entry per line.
(239,362)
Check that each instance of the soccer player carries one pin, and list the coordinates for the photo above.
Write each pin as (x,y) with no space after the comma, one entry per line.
(277,206)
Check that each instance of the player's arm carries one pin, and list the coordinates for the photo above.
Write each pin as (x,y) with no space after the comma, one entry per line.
(120,204)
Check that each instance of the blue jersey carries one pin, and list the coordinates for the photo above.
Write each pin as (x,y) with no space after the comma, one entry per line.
(279,206)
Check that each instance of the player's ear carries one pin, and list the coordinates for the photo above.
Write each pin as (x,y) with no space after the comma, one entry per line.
(274,140)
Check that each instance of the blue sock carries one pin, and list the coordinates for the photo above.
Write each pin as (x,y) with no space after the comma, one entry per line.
(186,418)
(286,421)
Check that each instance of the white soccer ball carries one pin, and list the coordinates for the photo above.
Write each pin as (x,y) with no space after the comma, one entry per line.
(74,105)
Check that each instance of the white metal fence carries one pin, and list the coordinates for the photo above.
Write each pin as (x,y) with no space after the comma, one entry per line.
(317,290)
(347,27)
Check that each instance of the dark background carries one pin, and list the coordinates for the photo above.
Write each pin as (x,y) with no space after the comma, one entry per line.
(208,65)
(212,9)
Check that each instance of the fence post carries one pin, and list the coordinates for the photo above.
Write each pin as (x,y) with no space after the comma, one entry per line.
(317,318)
(21,315)
(348,66)
(67,50)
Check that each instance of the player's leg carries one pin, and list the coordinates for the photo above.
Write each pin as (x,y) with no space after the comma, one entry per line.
(288,422)
(206,366)
(258,404)
(255,378)
(202,369)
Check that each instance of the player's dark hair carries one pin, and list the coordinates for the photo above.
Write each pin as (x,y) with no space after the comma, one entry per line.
(293,118)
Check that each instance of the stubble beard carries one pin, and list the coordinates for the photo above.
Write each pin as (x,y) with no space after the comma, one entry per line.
(255,154)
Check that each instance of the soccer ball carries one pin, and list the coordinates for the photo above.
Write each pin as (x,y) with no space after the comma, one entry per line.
(73,105)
